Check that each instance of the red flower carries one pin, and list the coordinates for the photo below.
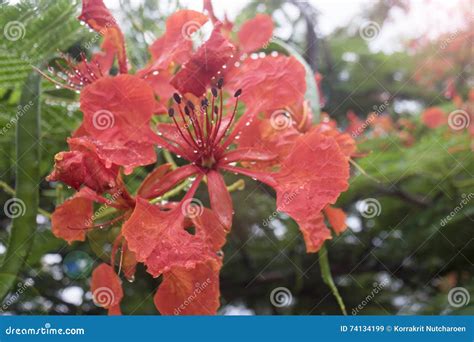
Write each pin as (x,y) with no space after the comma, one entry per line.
(434,117)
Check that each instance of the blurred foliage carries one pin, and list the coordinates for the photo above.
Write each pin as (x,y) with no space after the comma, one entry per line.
(405,246)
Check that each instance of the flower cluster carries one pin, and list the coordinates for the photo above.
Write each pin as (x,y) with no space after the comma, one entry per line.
(220,108)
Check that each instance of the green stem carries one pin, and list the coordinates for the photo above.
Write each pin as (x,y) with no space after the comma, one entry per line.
(327,277)
(27,180)
(9,190)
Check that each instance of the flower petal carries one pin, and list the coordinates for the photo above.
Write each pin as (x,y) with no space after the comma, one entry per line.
(176,44)
(255,33)
(336,218)
(198,71)
(71,219)
(434,117)
(269,83)
(97,16)
(311,177)
(82,166)
(190,291)
(221,202)
(106,288)
(117,113)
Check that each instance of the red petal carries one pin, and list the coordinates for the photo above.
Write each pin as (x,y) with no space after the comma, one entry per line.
(247,154)
(345,141)
(172,178)
(197,73)
(269,83)
(71,219)
(336,218)
(190,291)
(117,113)
(152,178)
(98,17)
(255,33)
(314,232)
(82,166)
(312,176)
(176,44)
(159,239)
(221,202)
(434,117)
(106,288)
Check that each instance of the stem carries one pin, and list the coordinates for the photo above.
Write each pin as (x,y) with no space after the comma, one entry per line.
(27,180)
(9,190)
(327,277)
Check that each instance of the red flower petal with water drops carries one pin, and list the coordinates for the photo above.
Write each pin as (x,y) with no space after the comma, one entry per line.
(99,18)
(219,196)
(117,113)
(255,33)
(346,142)
(312,176)
(434,117)
(336,218)
(269,83)
(197,73)
(106,289)
(71,219)
(176,44)
(190,292)
(159,238)
(82,166)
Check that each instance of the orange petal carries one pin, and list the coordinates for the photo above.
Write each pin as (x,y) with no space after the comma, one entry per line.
(336,218)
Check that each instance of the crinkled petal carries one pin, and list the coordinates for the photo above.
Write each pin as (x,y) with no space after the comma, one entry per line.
(71,219)
(176,44)
(106,288)
(255,33)
(311,177)
(336,218)
(159,238)
(117,113)
(190,291)
(98,17)
(221,202)
(82,166)
(198,72)
(269,83)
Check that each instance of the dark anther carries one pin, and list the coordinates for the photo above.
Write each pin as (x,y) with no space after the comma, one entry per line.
(186,110)
(238,93)
(216,109)
(177,98)
(220,83)
(214,92)
(190,105)
(204,103)
(171,112)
